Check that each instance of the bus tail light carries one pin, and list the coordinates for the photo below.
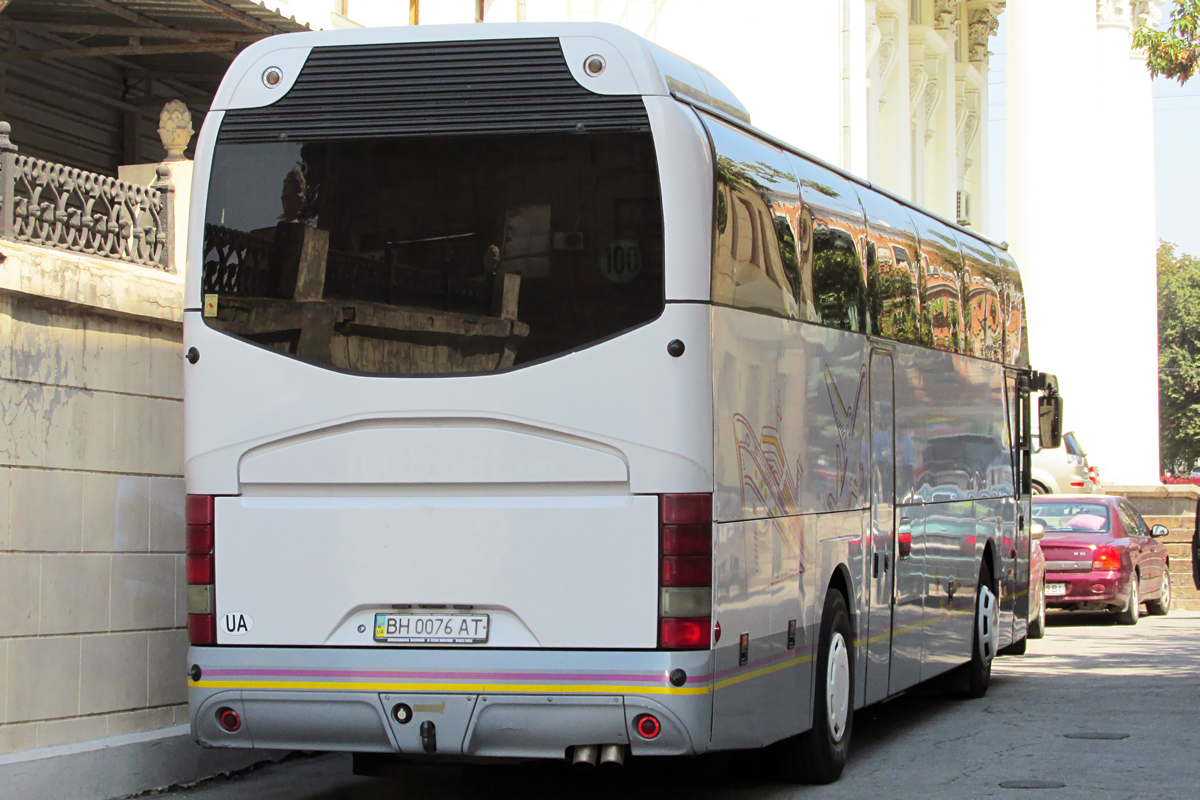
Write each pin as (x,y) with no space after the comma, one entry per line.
(679,633)
(1106,557)
(200,561)
(685,572)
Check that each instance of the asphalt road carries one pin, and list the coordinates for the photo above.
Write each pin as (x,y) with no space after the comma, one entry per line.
(1087,676)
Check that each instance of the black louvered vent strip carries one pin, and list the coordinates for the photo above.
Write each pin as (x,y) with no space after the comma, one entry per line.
(435,89)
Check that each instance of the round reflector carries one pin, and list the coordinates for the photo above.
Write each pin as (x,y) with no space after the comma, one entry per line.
(647,725)
(229,720)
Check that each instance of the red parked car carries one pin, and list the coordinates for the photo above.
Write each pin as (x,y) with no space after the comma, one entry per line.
(1101,555)
(1037,583)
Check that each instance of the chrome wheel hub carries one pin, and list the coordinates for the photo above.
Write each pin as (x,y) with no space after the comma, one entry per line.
(837,687)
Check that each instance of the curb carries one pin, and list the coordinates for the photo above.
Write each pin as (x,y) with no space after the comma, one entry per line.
(119,766)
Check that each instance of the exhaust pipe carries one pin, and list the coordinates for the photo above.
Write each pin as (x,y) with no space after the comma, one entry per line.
(612,756)
(584,756)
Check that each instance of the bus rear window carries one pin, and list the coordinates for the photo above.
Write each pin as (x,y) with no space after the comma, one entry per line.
(433,255)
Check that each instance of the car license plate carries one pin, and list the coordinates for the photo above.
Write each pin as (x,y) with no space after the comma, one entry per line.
(431,628)
(1056,589)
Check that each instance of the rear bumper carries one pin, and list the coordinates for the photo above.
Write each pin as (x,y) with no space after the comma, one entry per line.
(1102,587)
(482,703)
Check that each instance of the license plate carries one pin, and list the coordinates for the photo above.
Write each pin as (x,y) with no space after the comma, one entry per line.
(1056,589)
(431,628)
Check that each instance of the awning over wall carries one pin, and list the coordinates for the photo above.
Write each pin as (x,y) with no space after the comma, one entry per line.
(82,81)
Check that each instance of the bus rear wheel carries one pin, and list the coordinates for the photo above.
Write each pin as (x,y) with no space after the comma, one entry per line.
(819,754)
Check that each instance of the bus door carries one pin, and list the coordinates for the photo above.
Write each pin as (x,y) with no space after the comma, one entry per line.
(881,558)
(1015,541)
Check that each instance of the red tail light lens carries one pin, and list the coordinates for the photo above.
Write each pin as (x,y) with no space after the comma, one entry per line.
(199,540)
(202,628)
(685,633)
(687,571)
(904,540)
(199,509)
(681,509)
(1106,557)
(687,540)
(201,568)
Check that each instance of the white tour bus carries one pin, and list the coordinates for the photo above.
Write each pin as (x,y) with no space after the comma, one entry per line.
(539,406)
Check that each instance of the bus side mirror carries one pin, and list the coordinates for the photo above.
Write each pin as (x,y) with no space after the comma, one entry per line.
(1050,411)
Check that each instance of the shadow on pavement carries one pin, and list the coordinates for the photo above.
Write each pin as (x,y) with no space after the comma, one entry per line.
(747,774)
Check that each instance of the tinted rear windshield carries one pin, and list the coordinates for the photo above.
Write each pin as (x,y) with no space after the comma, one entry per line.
(433,255)
(1075,517)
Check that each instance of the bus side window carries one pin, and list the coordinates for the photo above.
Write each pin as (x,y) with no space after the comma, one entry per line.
(941,286)
(839,280)
(755,188)
(1013,310)
(895,304)
(983,316)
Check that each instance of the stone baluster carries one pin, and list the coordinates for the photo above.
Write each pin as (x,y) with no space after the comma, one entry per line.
(8,179)
(166,223)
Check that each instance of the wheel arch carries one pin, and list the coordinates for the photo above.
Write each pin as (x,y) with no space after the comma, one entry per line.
(844,583)
(989,558)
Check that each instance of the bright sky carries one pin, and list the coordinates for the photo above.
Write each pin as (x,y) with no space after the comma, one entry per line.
(1176,157)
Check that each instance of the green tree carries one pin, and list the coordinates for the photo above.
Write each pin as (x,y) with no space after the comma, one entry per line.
(1178,359)
(1175,52)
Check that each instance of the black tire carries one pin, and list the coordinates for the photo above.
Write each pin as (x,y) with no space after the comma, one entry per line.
(1133,609)
(972,679)
(819,754)
(1162,606)
(1037,625)
(1037,488)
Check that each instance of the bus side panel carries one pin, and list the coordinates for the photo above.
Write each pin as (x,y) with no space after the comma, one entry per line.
(759,592)
(952,452)
(790,417)
(841,538)
(951,570)
(790,422)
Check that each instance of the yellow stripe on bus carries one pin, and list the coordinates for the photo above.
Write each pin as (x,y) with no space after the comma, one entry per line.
(482,688)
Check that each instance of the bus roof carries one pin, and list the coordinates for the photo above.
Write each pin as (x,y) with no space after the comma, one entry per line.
(633,66)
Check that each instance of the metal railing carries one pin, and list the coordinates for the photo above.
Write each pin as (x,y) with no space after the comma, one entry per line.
(54,205)
(239,263)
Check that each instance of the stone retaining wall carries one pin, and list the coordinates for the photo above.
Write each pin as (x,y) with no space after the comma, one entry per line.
(91,499)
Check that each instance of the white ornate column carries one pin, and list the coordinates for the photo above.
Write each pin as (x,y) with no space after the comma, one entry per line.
(893,168)
(1081,222)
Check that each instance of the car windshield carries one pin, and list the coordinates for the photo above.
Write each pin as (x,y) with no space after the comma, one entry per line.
(1077,517)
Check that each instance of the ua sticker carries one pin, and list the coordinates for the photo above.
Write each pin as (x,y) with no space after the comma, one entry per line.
(237,624)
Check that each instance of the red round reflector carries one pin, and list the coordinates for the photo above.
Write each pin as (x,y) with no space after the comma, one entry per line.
(229,720)
(647,725)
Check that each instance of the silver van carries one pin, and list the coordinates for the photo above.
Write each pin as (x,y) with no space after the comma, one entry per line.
(1062,470)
